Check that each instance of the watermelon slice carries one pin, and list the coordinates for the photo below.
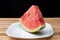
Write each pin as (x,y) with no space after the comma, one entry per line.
(32,20)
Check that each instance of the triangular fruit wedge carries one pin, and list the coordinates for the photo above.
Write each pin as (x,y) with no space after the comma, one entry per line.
(32,20)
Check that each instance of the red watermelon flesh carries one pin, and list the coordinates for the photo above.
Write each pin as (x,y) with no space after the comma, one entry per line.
(32,20)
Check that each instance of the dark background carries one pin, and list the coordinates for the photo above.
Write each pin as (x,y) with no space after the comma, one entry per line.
(16,8)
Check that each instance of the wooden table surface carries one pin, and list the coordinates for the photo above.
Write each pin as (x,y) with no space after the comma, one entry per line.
(5,22)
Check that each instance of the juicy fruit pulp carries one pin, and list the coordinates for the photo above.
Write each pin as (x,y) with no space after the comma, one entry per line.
(32,20)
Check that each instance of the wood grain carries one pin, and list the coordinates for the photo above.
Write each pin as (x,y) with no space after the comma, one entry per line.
(5,22)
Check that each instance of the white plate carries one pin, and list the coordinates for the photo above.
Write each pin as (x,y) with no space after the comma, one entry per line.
(16,31)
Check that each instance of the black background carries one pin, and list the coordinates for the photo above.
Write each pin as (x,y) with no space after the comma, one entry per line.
(16,8)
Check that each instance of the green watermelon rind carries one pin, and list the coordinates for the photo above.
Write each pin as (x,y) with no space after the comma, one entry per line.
(38,29)
(42,28)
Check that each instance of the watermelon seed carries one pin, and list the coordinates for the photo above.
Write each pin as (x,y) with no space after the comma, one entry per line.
(28,15)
